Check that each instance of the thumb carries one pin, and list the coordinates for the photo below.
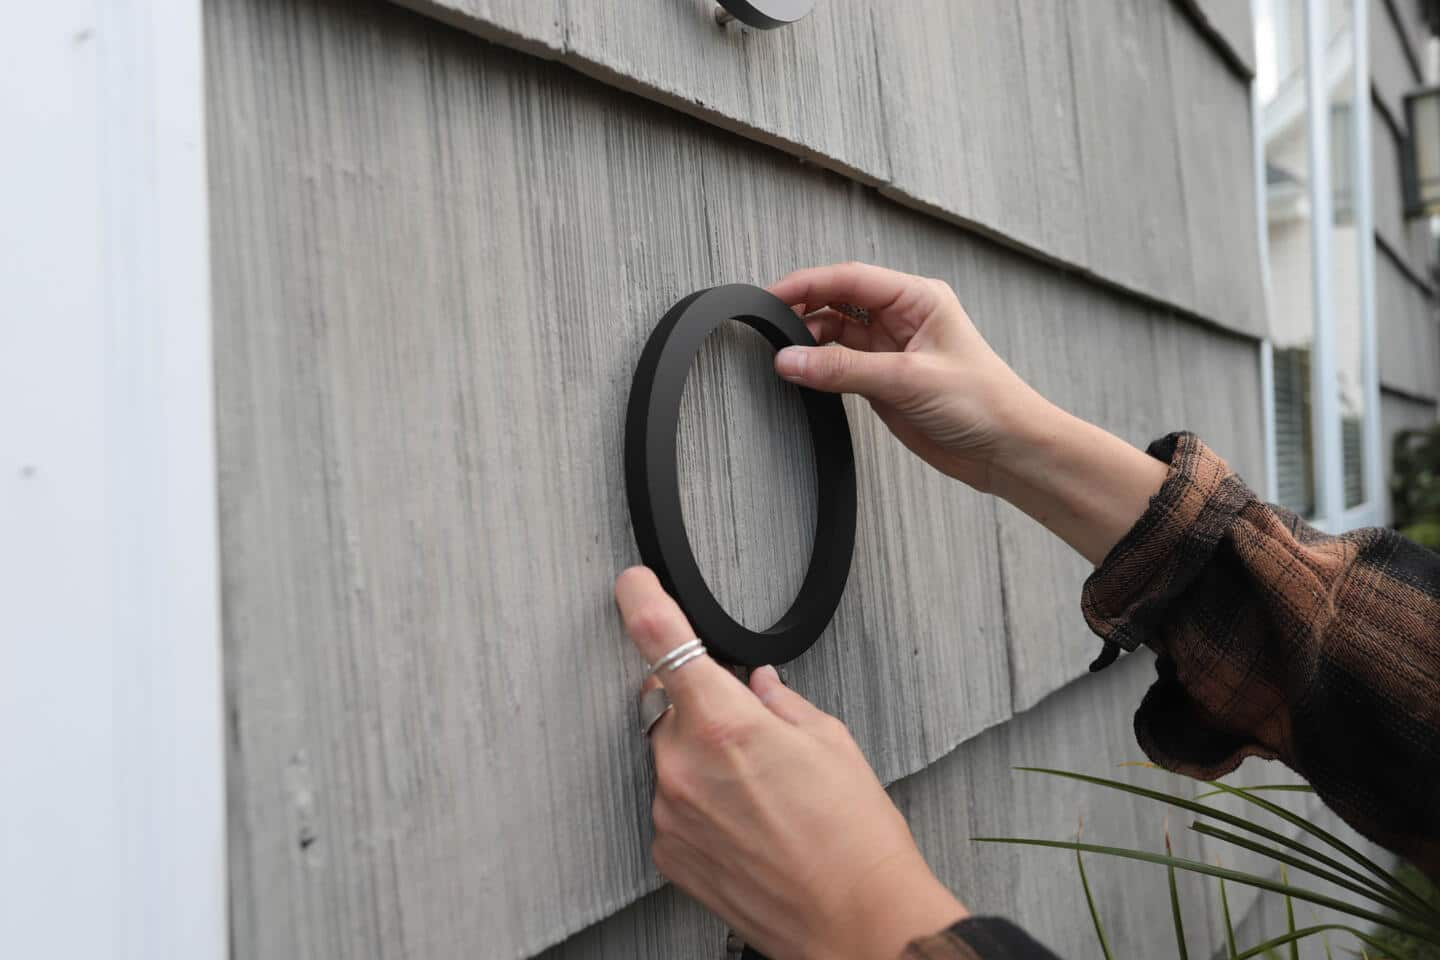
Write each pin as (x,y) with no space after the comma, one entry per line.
(837,369)
(785,703)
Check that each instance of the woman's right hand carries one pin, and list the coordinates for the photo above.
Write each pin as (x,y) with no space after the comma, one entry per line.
(940,388)
(919,360)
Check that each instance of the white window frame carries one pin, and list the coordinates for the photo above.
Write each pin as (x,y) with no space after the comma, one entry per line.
(1328,459)
(112,821)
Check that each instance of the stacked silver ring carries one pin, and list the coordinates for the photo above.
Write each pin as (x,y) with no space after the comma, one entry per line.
(655,702)
(678,657)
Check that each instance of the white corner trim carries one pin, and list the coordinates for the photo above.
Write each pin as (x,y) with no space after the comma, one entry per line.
(112,822)
(1271,490)
(1324,398)
(1376,496)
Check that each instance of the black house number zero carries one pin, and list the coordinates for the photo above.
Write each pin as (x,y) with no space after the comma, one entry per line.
(768,14)
(652,478)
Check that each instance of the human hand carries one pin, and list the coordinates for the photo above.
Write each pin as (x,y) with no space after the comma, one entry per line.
(767,812)
(940,388)
(919,360)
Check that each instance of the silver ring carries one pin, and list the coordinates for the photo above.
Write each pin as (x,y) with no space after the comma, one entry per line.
(681,661)
(654,704)
(671,659)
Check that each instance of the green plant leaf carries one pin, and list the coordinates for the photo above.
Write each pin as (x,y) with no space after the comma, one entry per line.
(1422,932)
(1180,951)
(1094,911)
(1231,952)
(1267,788)
(1295,936)
(1380,896)
(1290,917)
(1335,842)
(1234,820)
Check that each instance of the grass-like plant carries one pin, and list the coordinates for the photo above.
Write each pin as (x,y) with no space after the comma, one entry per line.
(1400,911)
(1415,485)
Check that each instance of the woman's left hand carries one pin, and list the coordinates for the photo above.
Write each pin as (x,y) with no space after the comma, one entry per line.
(767,812)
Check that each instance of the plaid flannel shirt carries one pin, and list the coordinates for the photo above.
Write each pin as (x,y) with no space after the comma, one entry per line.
(1272,640)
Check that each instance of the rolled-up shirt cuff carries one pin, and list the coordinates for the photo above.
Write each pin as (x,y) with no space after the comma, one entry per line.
(1125,598)
(979,938)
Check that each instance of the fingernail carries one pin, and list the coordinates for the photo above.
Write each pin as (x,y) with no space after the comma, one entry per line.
(790,362)
(771,671)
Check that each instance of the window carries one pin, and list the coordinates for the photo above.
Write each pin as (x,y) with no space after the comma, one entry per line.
(1280,87)
(1312,103)
(1345,252)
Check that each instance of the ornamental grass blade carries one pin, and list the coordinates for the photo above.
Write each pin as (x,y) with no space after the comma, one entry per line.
(1382,897)
(1335,842)
(1290,917)
(1090,899)
(1180,951)
(1234,820)
(1295,936)
(1264,788)
(1426,933)
(1231,952)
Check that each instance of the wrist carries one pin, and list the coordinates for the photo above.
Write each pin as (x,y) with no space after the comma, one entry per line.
(1084,484)
(897,904)
(1031,436)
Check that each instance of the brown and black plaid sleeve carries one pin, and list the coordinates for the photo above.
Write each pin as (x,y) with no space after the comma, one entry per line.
(978,938)
(1273,640)
(1278,641)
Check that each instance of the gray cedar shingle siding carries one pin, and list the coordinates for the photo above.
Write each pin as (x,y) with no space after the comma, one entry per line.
(974,791)
(1011,75)
(435,261)
(1408,332)
(1393,72)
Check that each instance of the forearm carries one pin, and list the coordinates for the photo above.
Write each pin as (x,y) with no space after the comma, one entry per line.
(1276,640)
(1086,486)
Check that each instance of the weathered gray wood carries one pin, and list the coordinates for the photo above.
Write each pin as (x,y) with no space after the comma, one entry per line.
(1134,198)
(812,88)
(1392,72)
(762,430)
(1389,197)
(1413,27)
(1407,331)
(1235,27)
(1399,413)
(435,264)
(1407,238)
(981,108)
(536,26)
(974,791)
(975,121)
(1216,160)
(422,382)
(1174,376)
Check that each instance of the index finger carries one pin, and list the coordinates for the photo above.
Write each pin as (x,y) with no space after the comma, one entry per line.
(656,626)
(861,284)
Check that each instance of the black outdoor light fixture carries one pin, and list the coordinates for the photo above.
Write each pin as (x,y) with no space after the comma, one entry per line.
(1422,115)
(652,478)
(763,14)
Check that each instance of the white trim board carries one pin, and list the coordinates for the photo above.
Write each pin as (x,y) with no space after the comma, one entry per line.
(112,819)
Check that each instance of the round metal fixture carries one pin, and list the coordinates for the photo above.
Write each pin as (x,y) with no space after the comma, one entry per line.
(763,14)
(652,478)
